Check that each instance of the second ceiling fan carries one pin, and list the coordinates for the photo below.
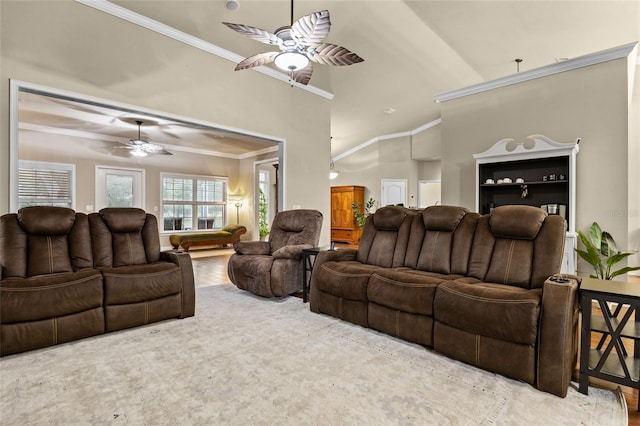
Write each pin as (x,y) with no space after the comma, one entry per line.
(300,44)
(141,148)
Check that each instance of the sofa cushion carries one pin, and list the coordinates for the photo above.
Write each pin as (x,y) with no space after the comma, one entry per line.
(498,311)
(385,237)
(42,220)
(345,279)
(441,239)
(123,219)
(443,218)
(389,219)
(293,227)
(138,283)
(520,222)
(48,255)
(48,296)
(404,291)
(128,249)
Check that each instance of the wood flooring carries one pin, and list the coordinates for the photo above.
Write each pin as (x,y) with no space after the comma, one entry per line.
(212,269)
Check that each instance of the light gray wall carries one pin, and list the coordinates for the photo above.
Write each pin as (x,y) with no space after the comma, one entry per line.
(427,145)
(590,103)
(72,47)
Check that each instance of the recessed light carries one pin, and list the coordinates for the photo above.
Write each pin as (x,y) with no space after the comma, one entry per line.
(562,58)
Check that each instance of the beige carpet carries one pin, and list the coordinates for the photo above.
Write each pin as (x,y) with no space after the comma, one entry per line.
(244,360)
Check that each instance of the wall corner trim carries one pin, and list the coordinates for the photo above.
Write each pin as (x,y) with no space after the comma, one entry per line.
(574,63)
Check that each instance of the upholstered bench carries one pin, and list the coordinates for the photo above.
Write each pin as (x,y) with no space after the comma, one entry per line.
(230,234)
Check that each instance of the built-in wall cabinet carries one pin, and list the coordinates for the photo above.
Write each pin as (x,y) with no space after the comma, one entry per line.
(537,172)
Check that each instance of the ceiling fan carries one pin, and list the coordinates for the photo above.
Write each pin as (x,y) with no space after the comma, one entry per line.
(300,44)
(141,148)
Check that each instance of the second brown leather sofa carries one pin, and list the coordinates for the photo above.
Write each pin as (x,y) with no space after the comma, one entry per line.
(65,276)
(475,288)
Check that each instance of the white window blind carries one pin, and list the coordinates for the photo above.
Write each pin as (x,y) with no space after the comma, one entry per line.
(45,184)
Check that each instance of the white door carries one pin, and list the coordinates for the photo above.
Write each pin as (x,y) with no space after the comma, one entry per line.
(429,193)
(394,192)
(119,187)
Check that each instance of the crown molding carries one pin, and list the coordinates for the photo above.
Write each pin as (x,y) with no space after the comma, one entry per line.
(574,63)
(385,137)
(160,28)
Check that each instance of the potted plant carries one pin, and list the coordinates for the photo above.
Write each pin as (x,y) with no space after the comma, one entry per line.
(602,253)
(263,226)
(361,213)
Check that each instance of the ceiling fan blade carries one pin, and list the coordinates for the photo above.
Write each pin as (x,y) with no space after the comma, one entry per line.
(302,76)
(331,54)
(256,34)
(256,60)
(311,29)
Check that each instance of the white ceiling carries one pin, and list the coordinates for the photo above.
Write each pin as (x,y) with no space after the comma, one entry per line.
(413,50)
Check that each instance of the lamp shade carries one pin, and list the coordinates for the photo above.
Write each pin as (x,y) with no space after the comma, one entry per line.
(291,61)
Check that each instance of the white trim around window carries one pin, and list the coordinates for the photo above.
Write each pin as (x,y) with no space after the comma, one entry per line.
(192,202)
(44,177)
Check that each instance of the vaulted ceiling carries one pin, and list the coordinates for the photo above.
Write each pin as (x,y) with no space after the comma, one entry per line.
(413,50)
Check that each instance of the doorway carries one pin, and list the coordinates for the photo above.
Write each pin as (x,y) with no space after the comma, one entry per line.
(429,193)
(119,187)
(394,192)
(268,192)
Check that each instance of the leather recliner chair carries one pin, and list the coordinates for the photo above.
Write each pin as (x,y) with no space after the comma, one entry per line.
(274,268)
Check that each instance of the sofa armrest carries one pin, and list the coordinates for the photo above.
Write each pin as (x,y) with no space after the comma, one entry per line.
(323,257)
(293,252)
(183,260)
(558,338)
(252,247)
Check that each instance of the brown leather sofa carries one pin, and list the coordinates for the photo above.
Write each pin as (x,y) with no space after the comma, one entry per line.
(480,289)
(67,275)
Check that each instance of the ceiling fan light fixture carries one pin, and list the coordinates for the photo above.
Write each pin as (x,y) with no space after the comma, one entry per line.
(138,153)
(332,172)
(291,61)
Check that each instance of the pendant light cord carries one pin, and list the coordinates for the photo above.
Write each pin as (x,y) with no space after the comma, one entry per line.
(292,13)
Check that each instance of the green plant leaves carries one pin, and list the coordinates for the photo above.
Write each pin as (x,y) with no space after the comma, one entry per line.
(600,246)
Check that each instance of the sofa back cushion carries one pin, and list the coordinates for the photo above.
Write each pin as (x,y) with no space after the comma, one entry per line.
(385,237)
(441,239)
(295,227)
(517,245)
(44,240)
(124,236)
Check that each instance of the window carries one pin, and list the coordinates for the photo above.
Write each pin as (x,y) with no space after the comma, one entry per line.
(263,184)
(46,184)
(193,202)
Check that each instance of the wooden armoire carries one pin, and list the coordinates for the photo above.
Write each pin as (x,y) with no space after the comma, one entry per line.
(344,227)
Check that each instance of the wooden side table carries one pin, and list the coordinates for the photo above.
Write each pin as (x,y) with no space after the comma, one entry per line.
(614,366)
